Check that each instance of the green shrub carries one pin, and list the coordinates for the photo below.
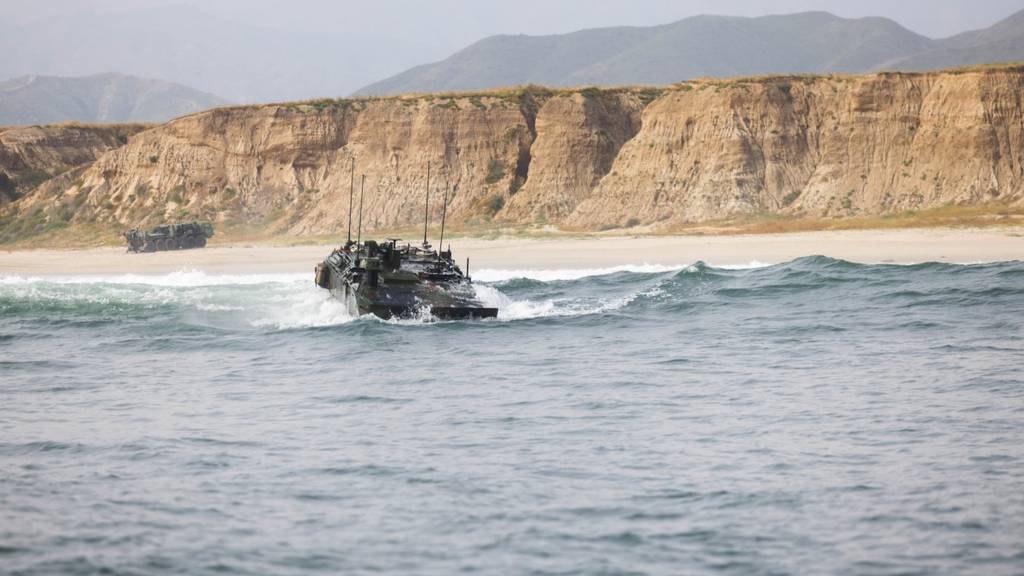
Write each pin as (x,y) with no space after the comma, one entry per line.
(32,178)
(273,215)
(495,171)
(325,103)
(176,194)
(648,95)
(7,186)
(790,198)
(65,213)
(494,204)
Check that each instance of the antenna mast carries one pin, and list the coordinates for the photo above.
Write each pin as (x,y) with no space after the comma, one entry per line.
(351,192)
(444,214)
(361,184)
(426,207)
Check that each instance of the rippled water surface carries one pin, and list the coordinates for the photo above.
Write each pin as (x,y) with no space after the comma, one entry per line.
(814,417)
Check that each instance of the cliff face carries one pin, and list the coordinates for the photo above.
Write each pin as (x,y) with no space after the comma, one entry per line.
(288,167)
(819,146)
(578,138)
(587,159)
(32,154)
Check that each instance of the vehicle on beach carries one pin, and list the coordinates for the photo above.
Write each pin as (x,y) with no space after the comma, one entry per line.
(392,280)
(178,236)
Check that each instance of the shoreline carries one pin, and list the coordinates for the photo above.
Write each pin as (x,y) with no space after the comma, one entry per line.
(902,246)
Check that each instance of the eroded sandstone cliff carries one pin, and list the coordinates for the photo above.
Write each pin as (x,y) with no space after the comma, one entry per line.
(821,146)
(585,159)
(29,155)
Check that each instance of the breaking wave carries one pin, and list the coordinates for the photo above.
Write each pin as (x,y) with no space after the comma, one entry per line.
(287,301)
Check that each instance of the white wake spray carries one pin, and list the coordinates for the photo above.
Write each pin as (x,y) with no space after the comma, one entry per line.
(284,301)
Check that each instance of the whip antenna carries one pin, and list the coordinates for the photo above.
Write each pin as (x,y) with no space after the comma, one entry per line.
(351,192)
(444,214)
(361,184)
(426,207)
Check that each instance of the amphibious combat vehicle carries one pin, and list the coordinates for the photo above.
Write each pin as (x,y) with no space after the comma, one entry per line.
(400,280)
(169,237)
(395,280)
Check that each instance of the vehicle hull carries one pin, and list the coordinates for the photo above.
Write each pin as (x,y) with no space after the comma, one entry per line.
(180,236)
(411,288)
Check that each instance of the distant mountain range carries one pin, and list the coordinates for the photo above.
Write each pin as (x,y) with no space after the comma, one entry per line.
(1002,42)
(99,98)
(716,46)
(191,44)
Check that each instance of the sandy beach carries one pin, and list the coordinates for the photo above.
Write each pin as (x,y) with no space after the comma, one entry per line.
(870,246)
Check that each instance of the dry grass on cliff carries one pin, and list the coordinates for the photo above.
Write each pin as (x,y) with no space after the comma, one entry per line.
(450,99)
(986,216)
(735,81)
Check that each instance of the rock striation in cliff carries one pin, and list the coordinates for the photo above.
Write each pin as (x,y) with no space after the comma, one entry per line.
(820,146)
(30,155)
(588,159)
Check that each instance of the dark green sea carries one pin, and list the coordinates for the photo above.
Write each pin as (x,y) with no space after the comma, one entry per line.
(811,417)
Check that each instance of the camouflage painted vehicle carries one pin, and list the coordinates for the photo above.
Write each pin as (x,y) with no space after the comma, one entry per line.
(179,236)
(392,280)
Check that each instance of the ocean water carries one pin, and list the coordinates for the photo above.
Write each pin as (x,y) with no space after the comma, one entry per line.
(812,417)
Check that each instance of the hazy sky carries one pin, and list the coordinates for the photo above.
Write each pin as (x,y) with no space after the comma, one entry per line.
(467,20)
(334,46)
(457,22)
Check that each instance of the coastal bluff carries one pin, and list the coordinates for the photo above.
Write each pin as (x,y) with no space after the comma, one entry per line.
(585,159)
